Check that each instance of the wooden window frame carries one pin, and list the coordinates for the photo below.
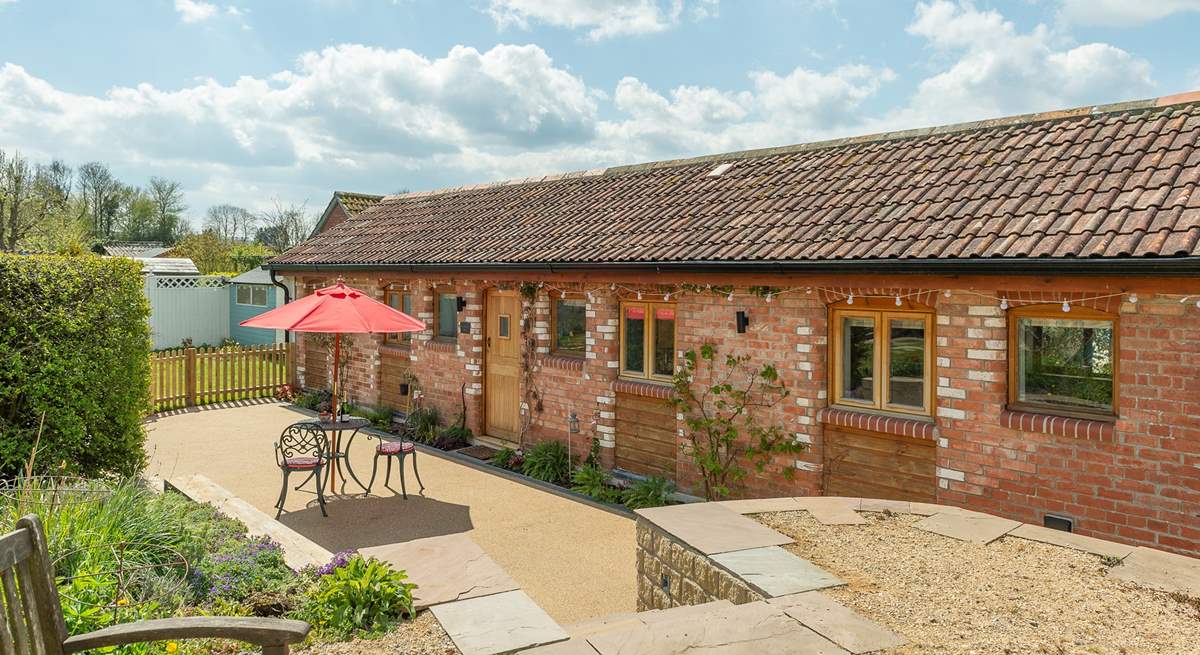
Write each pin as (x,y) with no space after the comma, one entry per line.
(437,315)
(554,349)
(881,311)
(647,343)
(402,338)
(1014,316)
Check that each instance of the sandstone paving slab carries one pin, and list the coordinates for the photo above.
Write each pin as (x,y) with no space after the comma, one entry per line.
(761,505)
(833,510)
(445,568)
(572,646)
(499,623)
(929,509)
(685,612)
(838,623)
(622,621)
(1087,544)
(1160,570)
(711,528)
(883,505)
(750,629)
(776,572)
(977,528)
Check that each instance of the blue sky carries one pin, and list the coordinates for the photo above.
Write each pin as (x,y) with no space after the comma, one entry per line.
(246,101)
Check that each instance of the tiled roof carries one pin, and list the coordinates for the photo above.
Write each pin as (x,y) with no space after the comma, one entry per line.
(167,266)
(134,248)
(356,202)
(1103,182)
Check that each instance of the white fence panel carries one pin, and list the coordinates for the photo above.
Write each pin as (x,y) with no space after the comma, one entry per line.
(188,307)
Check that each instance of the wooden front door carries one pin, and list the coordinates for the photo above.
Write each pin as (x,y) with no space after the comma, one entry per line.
(502,365)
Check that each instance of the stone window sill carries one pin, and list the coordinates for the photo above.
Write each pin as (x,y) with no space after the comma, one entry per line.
(396,349)
(565,362)
(1062,426)
(883,423)
(644,389)
(441,346)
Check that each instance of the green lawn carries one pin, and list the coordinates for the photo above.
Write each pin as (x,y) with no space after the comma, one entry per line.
(221,375)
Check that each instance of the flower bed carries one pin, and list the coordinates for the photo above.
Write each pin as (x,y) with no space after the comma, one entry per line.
(191,560)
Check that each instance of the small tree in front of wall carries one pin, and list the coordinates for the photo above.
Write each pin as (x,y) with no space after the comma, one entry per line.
(719,405)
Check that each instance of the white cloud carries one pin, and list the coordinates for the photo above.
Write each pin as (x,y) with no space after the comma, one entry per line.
(995,70)
(602,18)
(1121,13)
(195,11)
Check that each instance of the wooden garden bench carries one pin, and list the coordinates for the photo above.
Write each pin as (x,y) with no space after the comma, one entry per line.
(31,618)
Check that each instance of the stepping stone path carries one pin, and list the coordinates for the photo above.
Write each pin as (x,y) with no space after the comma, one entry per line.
(1160,570)
(832,510)
(445,568)
(977,528)
(499,623)
(776,572)
(1074,541)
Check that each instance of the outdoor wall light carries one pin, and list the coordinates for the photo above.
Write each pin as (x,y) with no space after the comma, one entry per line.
(464,327)
(460,302)
(742,321)
(573,423)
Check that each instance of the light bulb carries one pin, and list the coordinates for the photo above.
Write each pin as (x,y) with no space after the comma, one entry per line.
(667,296)
(850,300)
(639,295)
(589,295)
(1004,303)
(612,287)
(898,303)
(946,293)
(1133,298)
(729,298)
(1198,304)
(1066,306)
(808,290)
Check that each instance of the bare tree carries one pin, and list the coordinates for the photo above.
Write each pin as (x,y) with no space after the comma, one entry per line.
(16,198)
(284,226)
(167,196)
(103,194)
(230,223)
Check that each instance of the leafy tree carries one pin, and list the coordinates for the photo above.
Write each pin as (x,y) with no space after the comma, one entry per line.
(230,222)
(167,197)
(208,252)
(103,194)
(723,431)
(136,220)
(16,198)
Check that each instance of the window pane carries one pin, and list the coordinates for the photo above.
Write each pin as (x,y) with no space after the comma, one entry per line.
(259,296)
(447,315)
(502,328)
(664,341)
(1065,363)
(406,307)
(243,294)
(569,321)
(635,339)
(858,358)
(906,361)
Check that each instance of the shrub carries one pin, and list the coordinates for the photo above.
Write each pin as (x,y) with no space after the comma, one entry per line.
(365,595)
(74,352)
(244,568)
(453,438)
(651,492)
(425,423)
(320,400)
(380,419)
(548,461)
(509,459)
(592,482)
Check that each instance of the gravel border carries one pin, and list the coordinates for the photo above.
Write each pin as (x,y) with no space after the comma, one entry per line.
(1013,596)
(421,636)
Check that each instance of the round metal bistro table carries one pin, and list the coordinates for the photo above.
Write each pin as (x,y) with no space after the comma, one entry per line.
(339,452)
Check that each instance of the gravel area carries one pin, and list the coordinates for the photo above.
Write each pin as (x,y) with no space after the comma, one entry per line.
(421,636)
(1011,596)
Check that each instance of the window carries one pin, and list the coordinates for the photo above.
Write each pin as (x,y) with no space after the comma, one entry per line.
(252,294)
(403,302)
(569,322)
(648,340)
(446,316)
(882,359)
(1062,363)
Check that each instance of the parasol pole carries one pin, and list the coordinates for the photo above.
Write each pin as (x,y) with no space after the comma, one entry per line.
(337,356)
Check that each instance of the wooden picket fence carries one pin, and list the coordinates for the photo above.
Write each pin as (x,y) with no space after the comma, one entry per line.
(186,377)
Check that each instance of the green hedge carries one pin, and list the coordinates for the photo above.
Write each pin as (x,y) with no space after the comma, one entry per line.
(74,347)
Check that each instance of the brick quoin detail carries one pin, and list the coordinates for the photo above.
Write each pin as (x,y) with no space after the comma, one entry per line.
(1135,480)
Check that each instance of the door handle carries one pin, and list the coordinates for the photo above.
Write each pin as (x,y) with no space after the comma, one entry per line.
(489,342)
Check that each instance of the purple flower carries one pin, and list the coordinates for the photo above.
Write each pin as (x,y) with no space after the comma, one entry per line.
(339,560)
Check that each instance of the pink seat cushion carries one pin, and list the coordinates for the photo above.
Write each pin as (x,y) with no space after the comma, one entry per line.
(395,447)
(301,462)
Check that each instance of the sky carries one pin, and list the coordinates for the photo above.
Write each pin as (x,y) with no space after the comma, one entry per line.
(248,102)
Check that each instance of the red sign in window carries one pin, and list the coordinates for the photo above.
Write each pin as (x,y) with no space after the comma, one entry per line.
(635,313)
(664,314)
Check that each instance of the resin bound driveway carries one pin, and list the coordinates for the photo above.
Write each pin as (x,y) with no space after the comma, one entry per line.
(575,561)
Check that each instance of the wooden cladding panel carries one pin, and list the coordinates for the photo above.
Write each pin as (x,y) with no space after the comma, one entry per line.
(393,367)
(875,465)
(646,436)
(316,366)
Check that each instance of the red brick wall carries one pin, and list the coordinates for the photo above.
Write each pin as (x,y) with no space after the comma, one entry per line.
(337,215)
(1137,482)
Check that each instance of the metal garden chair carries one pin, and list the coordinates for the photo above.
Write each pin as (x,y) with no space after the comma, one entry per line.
(301,449)
(398,450)
(31,617)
